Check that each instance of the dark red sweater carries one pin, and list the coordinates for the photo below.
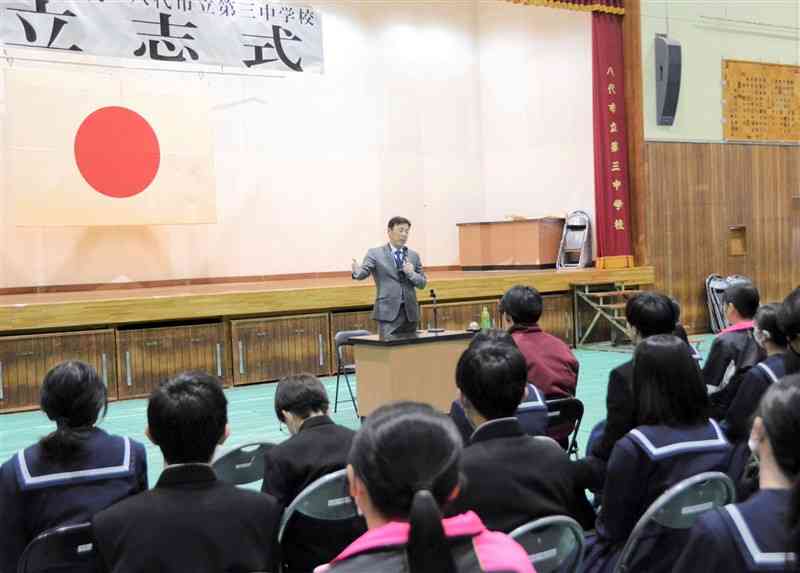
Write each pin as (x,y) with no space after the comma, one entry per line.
(552,367)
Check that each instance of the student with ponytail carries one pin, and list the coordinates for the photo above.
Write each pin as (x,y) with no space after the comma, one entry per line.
(404,466)
(71,473)
(762,533)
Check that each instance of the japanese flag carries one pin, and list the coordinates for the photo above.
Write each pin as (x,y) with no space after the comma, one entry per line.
(88,149)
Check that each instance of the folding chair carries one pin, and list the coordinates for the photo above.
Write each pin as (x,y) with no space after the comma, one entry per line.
(244,464)
(64,549)
(341,339)
(678,508)
(554,544)
(562,411)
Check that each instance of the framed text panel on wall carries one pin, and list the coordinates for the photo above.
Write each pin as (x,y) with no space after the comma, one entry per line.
(761,102)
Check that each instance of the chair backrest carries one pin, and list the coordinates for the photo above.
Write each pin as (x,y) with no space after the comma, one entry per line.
(68,549)
(679,507)
(561,411)
(554,544)
(244,464)
(327,498)
(342,338)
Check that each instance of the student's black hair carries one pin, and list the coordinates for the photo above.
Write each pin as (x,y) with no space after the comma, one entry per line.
(789,321)
(300,394)
(744,298)
(651,313)
(409,458)
(780,413)
(186,417)
(667,383)
(73,396)
(766,320)
(523,304)
(491,373)
(394,221)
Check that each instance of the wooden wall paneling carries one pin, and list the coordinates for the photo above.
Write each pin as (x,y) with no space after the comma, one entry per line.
(458,315)
(557,316)
(24,361)
(358,320)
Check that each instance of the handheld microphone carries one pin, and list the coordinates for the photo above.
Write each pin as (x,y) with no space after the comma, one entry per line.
(400,271)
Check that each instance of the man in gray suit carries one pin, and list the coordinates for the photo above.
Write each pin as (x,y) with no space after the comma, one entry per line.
(397,271)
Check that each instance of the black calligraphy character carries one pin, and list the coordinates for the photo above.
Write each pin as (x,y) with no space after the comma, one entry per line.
(307,17)
(30,30)
(174,49)
(274,42)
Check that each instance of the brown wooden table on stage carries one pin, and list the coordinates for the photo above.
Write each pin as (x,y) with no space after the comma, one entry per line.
(521,243)
(417,367)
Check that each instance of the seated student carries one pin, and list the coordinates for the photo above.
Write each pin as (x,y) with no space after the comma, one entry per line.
(71,473)
(734,347)
(403,467)
(674,439)
(768,335)
(531,411)
(190,521)
(789,322)
(762,533)
(317,447)
(511,478)
(648,314)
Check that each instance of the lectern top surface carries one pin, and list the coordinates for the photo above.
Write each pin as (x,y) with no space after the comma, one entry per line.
(419,337)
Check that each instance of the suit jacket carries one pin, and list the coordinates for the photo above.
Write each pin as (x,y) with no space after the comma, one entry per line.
(189,522)
(393,289)
(512,478)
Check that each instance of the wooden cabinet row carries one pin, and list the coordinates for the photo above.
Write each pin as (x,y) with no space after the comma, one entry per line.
(132,362)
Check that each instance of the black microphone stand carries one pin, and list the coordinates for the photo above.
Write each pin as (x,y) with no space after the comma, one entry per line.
(435,315)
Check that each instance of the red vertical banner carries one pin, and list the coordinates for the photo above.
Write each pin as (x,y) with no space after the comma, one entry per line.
(611,191)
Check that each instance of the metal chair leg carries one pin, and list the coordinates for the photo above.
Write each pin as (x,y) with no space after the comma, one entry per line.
(336,399)
(350,390)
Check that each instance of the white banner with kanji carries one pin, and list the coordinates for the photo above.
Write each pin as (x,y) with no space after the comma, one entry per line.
(259,36)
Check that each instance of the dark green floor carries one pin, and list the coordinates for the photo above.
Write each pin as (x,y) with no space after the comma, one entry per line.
(252,417)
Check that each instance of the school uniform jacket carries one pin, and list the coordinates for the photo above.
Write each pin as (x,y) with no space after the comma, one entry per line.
(746,537)
(745,402)
(644,464)
(37,493)
(512,478)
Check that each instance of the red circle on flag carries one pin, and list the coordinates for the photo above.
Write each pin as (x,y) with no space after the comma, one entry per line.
(117,152)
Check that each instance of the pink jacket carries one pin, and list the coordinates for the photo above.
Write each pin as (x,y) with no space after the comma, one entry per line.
(496,551)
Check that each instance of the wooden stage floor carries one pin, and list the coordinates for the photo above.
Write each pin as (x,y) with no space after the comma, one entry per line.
(30,312)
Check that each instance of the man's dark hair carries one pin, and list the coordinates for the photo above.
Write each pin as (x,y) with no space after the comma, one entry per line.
(744,298)
(667,384)
(492,375)
(186,417)
(300,394)
(523,304)
(394,221)
(651,313)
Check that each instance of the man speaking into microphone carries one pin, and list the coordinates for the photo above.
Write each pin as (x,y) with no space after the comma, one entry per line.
(397,271)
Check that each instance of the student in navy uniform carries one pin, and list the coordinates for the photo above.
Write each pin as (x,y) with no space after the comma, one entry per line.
(674,439)
(317,447)
(190,521)
(648,314)
(511,478)
(531,411)
(762,533)
(71,473)
(789,321)
(768,335)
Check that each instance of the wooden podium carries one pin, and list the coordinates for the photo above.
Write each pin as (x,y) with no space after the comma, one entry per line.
(417,367)
(527,243)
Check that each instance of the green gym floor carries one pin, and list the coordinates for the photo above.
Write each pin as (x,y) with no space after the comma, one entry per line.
(252,417)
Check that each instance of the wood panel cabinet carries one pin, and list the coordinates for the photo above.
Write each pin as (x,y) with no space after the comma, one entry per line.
(360,320)
(557,316)
(458,315)
(24,361)
(148,356)
(271,348)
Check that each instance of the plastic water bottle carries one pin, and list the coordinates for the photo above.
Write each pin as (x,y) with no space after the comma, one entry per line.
(486,319)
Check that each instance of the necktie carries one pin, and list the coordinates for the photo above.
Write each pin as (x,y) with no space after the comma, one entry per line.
(398,259)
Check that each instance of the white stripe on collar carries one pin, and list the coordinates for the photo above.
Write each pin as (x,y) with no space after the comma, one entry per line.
(768,370)
(30,480)
(537,403)
(759,557)
(656,451)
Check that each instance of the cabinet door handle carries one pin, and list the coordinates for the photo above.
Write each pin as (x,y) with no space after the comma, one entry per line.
(219,359)
(262,334)
(2,394)
(195,340)
(321,352)
(241,357)
(152,342)
(299,330)
(24,354)
(104,361)
(128,379)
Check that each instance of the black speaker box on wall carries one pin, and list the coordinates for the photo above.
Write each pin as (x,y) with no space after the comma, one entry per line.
(668,78)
